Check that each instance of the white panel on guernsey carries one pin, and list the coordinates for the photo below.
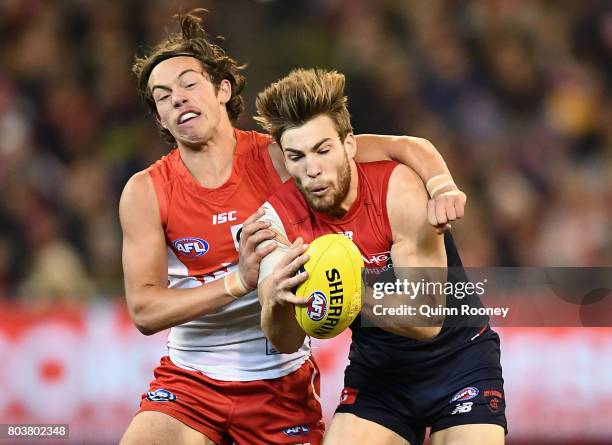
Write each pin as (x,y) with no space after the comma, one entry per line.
(229,343)
(176,269)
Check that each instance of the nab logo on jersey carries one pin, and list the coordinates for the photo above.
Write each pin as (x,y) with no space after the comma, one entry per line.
(317,306)
(191,246)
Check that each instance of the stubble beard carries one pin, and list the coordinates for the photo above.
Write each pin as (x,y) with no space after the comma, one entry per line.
(331,203)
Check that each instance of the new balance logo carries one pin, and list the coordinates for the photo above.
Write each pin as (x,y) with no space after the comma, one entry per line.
(462,408)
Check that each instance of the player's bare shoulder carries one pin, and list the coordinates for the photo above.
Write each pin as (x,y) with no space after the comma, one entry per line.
(138,203)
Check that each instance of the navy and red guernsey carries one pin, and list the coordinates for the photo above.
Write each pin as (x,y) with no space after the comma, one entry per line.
(367,224)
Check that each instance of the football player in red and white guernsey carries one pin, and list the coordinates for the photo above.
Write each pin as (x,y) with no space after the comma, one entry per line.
(190,267)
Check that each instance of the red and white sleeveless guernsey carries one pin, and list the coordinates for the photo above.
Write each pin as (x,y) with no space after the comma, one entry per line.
(202,228)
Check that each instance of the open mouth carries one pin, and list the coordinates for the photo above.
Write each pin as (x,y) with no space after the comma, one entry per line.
(187,116)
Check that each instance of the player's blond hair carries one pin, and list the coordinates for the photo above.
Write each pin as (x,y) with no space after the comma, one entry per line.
(300,96)
(191,40)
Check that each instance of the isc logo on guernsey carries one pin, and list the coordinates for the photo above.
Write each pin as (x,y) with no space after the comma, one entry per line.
(191,246)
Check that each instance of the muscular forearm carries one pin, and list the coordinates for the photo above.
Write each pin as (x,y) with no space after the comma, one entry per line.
(278,323)
(421,333)
(417,153)
(280,327)
(421,155)
(415,325)
(155,308)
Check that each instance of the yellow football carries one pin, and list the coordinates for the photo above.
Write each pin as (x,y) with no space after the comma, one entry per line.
(333,287)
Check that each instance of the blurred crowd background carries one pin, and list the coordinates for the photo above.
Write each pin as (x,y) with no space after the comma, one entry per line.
(514,94)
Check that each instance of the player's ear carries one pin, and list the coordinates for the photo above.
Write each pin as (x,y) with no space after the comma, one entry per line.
(350,145)
(224,92)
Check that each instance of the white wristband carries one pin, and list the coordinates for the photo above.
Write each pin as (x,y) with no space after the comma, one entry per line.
(452,192)
(437,183)
(234,286)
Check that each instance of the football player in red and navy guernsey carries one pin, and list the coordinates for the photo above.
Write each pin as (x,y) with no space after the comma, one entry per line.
(402,377)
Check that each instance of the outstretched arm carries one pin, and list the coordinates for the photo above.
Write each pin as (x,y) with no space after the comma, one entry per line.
(447,202)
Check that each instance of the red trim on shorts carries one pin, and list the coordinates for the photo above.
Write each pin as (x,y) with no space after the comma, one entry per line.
(482,331)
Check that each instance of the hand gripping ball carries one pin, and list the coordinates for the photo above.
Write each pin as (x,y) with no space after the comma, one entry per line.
(333,288)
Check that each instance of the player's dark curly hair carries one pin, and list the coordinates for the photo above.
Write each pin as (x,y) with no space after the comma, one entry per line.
(191,41)
(300,96)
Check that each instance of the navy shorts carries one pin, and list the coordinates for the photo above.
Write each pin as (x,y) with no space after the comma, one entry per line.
(464,387)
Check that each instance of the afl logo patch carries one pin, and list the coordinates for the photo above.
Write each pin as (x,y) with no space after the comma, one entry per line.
(161,395)
(296,430)
(194,247)
(465,394)
(317,306)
